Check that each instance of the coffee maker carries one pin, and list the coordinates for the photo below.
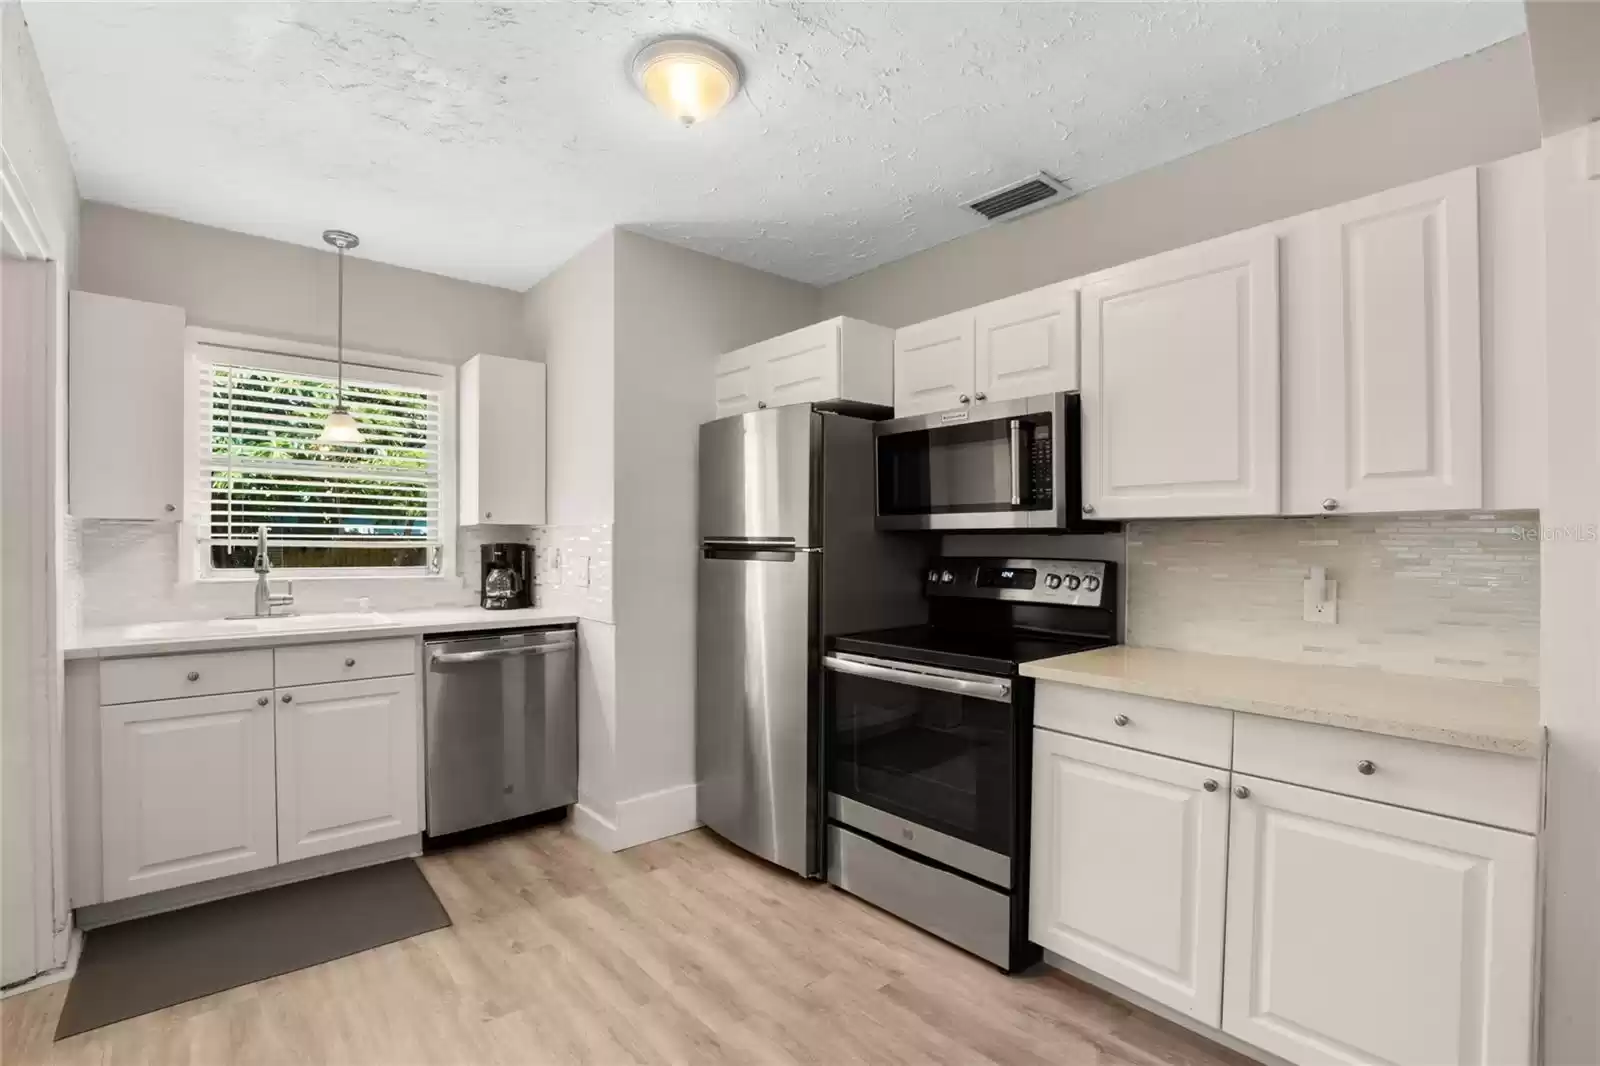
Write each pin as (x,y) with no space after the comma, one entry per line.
(507,576)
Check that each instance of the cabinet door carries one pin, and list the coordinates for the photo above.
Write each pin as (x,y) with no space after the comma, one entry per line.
(1363,933)
(736,380)
(1399,372)
(1180,383)
(502,441)
(125,383)
(1129,868)
(933,365)
(1027,345)
(800,367)
(186,791)
(347,765)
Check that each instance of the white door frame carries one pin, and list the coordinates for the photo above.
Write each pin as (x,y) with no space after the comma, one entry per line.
(24,237)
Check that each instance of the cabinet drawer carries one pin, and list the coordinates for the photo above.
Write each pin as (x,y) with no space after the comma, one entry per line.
(1181,730)
(349,660)
(1480,786)
(165,677)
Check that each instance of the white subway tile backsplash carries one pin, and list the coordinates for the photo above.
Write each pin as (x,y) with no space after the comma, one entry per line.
(572,569)
(1454,595)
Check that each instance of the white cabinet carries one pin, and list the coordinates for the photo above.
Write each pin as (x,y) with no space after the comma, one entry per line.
(502,429)
(124,384)
(186,790)
(1363,933)
(1180,383)
(1398,368)
(1129,868)
(1024,345)
(347,765)
(842,359)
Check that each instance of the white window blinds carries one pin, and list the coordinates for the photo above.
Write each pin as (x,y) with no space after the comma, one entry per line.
(373,504)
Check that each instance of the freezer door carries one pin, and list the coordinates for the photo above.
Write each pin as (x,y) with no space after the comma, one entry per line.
(755,736)
(757,476)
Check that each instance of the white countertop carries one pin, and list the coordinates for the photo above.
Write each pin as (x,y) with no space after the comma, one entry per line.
(1466,714)
(208,634)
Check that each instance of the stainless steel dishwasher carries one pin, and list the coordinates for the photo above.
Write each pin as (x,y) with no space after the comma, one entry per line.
(501,726)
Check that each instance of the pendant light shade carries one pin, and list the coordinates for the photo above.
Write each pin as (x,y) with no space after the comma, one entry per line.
(341,427)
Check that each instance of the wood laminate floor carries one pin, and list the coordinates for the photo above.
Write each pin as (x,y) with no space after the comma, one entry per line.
(680,951)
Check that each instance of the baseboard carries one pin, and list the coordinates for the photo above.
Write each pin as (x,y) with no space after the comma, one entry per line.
(61,973)
(641,819)
(122,910)
(1161,1010)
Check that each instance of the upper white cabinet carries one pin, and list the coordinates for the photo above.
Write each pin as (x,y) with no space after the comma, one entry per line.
(348,765)
(1363,933)
(502,441)
(1180,383)
(125,408)
(1129,868)
(842,359)
(1398,371)
(1024,345)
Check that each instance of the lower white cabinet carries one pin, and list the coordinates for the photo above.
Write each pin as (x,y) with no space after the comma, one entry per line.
(1129,868)
(348,769)
(186,791)
(1358,932)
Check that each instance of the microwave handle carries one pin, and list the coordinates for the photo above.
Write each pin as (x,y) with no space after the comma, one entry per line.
(1019,472)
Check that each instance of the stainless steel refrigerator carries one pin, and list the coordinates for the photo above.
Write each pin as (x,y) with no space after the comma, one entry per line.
(788,556)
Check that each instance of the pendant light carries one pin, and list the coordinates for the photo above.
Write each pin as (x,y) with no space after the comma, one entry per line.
(341,426)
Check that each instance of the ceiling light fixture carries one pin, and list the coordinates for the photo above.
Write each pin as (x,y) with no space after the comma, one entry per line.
(688,79)
(340,428)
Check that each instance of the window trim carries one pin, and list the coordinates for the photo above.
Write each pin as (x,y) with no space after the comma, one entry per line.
(204,346)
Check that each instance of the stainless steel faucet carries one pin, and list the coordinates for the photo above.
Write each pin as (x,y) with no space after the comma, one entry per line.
(266,599)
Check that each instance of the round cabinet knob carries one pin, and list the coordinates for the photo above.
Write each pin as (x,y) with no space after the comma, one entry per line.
(1367,766)
(761,405)
(964,398)
(1120,719)
(350,662)
(982,396)
(261,701)
(288,697)
(1241,792)
(488,514)
(1088,508)
(171,508)
(194,675)
(1209,784)
(1330,504)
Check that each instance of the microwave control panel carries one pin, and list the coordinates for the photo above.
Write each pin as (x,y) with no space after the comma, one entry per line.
(1066,582)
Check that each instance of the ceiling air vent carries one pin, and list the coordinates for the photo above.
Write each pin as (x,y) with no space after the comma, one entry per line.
(1017,200)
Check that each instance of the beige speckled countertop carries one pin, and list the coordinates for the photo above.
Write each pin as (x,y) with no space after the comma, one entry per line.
(1466,714)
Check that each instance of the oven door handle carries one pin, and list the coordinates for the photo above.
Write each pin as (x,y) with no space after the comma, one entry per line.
(996,691)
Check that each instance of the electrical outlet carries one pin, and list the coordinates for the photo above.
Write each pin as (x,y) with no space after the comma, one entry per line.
(580,570)
(1321,598)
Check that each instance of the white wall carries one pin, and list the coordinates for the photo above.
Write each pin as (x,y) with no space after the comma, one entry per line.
(676,311)
(1570,619)
(1471,110)
(230,280)
(32,887)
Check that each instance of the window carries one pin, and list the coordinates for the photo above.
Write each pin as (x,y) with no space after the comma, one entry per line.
(365,509)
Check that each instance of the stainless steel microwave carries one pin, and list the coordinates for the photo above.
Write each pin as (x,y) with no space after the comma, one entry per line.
(1007,465)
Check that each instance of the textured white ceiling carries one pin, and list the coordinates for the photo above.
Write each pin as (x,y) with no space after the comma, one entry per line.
(492,141)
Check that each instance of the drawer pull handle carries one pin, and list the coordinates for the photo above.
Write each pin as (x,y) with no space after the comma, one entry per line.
(1241,791)
(1120,719)
(1367,766)
(261,701)
(194,675)
(1210,784)
(350,662)
(288,697)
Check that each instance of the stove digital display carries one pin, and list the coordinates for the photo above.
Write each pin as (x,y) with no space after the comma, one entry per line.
(997,577)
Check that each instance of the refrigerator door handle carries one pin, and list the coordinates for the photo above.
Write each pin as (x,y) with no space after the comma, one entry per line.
(777,549)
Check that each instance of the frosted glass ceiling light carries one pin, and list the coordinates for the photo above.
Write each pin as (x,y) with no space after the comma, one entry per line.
(688,80)
(340,428)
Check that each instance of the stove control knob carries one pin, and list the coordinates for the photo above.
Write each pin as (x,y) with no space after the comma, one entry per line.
(933,576)
(1053,581)
(946,577)
(1091,583)
(1073,581)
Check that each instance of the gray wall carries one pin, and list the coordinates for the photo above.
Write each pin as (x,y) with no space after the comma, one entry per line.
(229,280)
(1471,110)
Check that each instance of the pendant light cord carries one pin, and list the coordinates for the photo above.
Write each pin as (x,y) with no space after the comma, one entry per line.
(339,397)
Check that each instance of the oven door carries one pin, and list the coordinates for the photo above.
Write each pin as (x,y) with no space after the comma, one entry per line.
(923,758)
(1004,465)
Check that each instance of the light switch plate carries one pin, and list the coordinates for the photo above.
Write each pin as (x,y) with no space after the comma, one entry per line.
(580,570)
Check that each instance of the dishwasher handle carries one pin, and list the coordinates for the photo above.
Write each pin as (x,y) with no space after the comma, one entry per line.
(450,657)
